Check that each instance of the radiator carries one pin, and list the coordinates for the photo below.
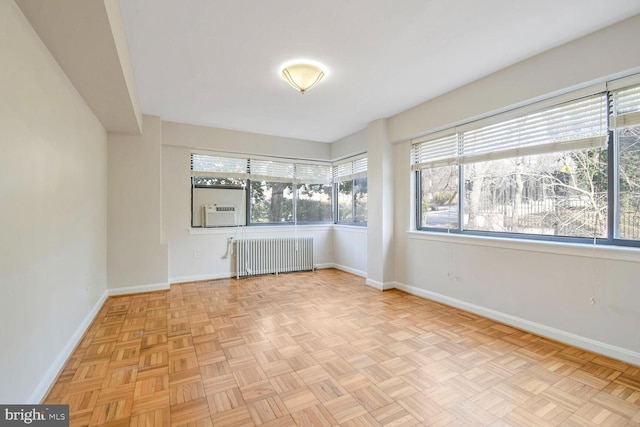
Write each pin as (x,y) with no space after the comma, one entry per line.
(272,256)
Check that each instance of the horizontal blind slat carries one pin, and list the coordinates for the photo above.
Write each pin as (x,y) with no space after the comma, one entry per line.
(571,145)
(271,168)
(259,169)
(625,107)
(206,163)
(352,169)
(442,150)
(625,120)
(313,174)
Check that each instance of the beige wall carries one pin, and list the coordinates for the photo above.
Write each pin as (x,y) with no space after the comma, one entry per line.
(53,212)
(225,140)
(137,259)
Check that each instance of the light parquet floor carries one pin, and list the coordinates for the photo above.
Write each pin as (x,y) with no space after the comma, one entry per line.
(323,349)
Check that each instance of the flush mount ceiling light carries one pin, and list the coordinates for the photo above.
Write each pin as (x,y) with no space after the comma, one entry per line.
(302,75)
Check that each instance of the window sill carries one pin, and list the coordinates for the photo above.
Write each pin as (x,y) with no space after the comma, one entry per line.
(270,228)
(619,253)
(351,228)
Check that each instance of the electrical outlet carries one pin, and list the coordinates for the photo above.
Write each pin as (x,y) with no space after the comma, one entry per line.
(592,300)
(196,254)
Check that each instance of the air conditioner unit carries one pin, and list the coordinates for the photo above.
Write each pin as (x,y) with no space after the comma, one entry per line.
(219,215)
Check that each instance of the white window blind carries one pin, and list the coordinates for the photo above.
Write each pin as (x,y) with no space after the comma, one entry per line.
(575,125)
(352,169)
(625,107)
(260,169)
(313,174)
(270,170)
(218,167)
(429,153)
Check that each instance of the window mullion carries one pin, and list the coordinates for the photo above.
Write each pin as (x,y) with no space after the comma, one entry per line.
(461,184)
(418,179)
(353,200)
(613,193)
(247,211)
(612,175)
(461,197)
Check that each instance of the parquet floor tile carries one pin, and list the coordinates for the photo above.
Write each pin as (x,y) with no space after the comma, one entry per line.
(323,349)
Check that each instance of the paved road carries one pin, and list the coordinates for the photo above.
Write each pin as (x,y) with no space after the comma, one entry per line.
(444,215)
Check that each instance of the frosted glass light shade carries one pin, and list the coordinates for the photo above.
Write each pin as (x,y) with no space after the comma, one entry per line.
(302,77)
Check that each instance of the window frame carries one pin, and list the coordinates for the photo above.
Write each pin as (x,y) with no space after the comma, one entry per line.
(613,198)
(296,200)
(349,169)
(305,172)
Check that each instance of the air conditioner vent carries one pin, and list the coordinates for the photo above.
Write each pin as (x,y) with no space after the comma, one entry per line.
(219,215)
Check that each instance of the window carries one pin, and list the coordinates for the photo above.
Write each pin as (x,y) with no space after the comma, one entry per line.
(439,201)
(626,123)
(218,190)
(271,202)
(279,192)
(562,171)
(279,202)
(350,179)
(313,203)
(559,194)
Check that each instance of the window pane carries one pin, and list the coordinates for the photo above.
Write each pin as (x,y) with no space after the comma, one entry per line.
(345,201)
(439,201)
(225,195)
(360,199)
(271,202)
(313,203)
(629,183)
(559,194)
(352,201)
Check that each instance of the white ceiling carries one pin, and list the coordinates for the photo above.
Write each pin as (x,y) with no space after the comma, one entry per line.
(216,62)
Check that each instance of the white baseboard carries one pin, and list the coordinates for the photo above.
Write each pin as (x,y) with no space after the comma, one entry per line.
(201,277)
(379,285)
(324,266)
(585,343)
(139,289)
(52,373)
(342,268)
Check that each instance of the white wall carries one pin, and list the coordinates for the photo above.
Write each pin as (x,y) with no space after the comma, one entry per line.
(350,249)
(53,212)
(541,287)
(202,254)
(350,145)
(350,242)
(380,207)
(137,260)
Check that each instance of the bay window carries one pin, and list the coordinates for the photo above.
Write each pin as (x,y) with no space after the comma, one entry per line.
(258,191)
